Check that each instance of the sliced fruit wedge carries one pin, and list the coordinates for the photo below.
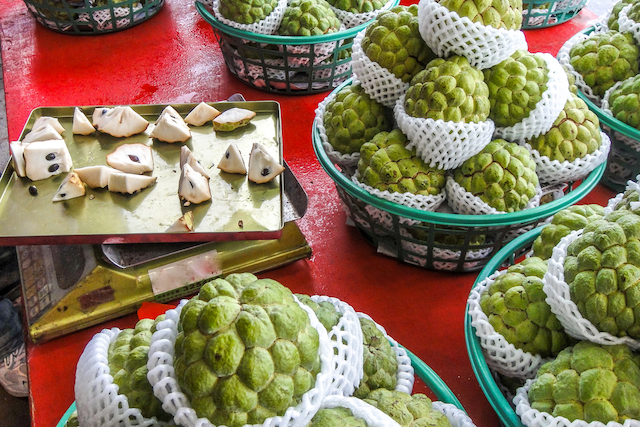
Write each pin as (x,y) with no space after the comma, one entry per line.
(95,176)
(184,224)
(131,158)
(171,127)
(201,114)
(70,188)
(128,183)
(262,166)
(232,161)
(233,118)
(81,124)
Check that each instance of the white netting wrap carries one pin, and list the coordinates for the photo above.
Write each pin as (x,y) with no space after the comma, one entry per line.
(628,25)
(346,339)
(456,416)
(464,202)
(448,33)
(500,355)
(97,398)
(268,25)
(405,375)
(416,201)
(559,299)
(350,20)
(349,161)
(546,111)
(533,418)
(613,202)
(379,83)
(166,388)
(554,172)
(373,416)
(440,143)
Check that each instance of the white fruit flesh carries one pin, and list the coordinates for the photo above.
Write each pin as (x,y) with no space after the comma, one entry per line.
(70,188)
(171,127)
(187,157)
(131,158)
(81,124)
(233,118)
(120,121)
(43,159)
(48,120)
(231,161)
(95,176)
(128,183)
(45,132)
(262,166)
(193,186)
(201,114)
(17,154)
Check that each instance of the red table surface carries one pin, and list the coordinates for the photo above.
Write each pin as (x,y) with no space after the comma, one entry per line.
(174,58)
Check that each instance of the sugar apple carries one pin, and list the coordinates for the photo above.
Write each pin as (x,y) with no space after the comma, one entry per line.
(605,58)
(353,118)
(387,165)
(393,41)
(629,201)
(589,382)
(503,175)
(308,18)
(326,312)
(602,269)
(357,6)
(380,362)
(246,11)
(245,351)
(516,86)
(612,21)
(574,134)
(516,308)
(624,102)
(408,410)
(505,14)
(127,359)
(336,417)
(449,89)
(573,218)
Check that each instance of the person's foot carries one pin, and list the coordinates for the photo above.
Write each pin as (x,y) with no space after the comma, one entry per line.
(13,373)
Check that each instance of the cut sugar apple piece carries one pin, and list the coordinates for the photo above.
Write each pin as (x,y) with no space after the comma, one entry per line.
(201,114)
(128,183)
(232,161)
(505,14)
(70,188)
(262,166)
(45,132)
(131,158)
(121,121)
(187,157)
(81,124)
(170,127)
(193,186)
(95,176)
(17,155)
(48,120)
(184,224)
(233,118)
(44,159)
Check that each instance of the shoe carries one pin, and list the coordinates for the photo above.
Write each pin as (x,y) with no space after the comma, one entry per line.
(13,373)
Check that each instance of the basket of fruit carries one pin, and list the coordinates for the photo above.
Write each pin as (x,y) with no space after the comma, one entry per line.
(298,48)
(534,332)
(248,351)
(545,13)
(86,17)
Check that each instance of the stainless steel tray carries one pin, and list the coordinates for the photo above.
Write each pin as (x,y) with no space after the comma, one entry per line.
(239,210)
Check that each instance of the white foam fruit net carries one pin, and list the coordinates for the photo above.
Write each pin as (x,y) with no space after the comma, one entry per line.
(628,25)
(500,355)
(448,33)
(268,25)
(456,416)
(378,82)
(350,19)
(166,388)
(554,172)
(464,202)
(97,398)
(440,143)
(546,111)
(405,374)
(533,418)
(559,299)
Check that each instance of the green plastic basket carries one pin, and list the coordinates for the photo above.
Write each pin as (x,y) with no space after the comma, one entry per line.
(286,65)
(415,236)
(87,17)
(506,255)
(546,13)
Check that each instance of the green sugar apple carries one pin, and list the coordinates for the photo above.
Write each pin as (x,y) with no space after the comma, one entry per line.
(612,21)
(393,41)
(326,312)
(589,382)
(336,417)
(357,6)
(449,89)
(629,200)
(308,18)
(408,410)
(516,86)
(516,308)
(602,270)
(245,351)
(574,134)
(387,165)
(246,11)
(624,102)
(353,118)
(605,58)
(634,12)
(127,359)
(503,175)
(505,14)
(380,362)
(573,218)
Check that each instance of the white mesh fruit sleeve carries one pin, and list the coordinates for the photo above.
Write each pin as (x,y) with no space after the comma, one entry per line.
(350,19)
(456,416)
(166,388)
(546,111)
(500,355)
(559,299)
(97,399)
(628,25)
(378,82)
(268,25)
(440,143)
(447,33)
